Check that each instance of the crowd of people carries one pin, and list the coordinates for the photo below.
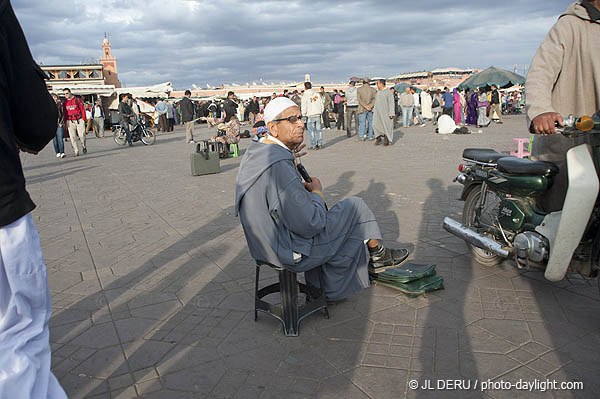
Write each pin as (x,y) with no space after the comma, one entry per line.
(77,118)
(352,110)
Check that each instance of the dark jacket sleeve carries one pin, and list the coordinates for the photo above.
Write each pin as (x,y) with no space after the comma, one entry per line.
(187,109)
(22,89)
(125,112)
(24,82)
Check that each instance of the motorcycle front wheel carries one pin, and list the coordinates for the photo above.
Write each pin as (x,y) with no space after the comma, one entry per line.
(488,213)
(148,137)
(119,136)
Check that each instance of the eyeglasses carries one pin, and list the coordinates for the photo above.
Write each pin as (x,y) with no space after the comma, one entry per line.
(291,119)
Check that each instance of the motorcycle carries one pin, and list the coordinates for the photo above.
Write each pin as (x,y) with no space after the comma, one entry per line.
(139,131)
(502,221)
(511,108)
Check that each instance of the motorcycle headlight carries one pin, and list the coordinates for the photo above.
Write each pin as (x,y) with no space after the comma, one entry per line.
(584,123)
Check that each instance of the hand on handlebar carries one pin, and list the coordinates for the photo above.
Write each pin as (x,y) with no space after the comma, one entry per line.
(546,123)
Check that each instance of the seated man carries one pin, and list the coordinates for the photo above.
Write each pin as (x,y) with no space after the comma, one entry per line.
(231,130)
(286,222)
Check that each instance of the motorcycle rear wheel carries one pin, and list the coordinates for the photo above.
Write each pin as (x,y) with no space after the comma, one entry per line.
(119,136)
(148,137)
(489,211)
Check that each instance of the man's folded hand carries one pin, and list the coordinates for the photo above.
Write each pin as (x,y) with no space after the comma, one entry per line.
(315,185)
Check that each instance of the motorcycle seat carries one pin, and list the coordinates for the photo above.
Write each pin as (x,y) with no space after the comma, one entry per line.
(520,166)
(485,155)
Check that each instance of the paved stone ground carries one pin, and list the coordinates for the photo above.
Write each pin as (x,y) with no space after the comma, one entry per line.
(152,283)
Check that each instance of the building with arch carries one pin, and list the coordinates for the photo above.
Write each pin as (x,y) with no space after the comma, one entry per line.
(101,75)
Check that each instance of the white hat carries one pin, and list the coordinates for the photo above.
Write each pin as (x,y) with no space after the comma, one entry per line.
(276,106)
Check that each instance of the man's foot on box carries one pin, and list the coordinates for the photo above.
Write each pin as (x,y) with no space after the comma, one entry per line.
(387,257)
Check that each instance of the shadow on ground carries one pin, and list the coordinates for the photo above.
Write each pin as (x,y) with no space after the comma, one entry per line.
(499,324)
(181,324)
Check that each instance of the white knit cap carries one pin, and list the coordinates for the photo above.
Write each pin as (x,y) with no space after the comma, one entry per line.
(277,106)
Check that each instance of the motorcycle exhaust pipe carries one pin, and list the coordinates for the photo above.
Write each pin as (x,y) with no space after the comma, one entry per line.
(473,238)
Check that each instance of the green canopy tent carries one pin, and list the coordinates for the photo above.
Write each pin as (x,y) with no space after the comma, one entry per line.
(492,76)
(400,87)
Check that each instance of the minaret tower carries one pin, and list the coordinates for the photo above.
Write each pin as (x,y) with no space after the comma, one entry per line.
(109,64)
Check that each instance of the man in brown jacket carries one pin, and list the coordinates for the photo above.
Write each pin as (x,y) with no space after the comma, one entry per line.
(564,78)
(366,101)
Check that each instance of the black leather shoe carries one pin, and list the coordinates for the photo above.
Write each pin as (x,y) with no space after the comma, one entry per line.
(389,258)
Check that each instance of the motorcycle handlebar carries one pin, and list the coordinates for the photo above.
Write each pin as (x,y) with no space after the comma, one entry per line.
(572,126)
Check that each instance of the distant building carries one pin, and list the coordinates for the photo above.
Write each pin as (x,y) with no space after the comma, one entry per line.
(248,91)
(438,78)
(104,74)
(109,64)
(67,75)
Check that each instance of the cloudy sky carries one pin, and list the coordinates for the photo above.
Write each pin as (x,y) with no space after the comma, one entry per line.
(224,41)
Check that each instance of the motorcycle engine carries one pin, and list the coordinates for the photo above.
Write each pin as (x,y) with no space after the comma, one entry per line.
(532,246)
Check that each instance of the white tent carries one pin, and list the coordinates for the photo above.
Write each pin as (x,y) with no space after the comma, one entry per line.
(512,89)
(113,104)
(84,90)
(161,90)
(145,107)
(259,94)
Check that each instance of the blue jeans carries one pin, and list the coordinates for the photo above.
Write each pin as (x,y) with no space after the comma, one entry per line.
(314,126)
(363,119)
(125,126)
(418,115)
(407,113)
(59,144)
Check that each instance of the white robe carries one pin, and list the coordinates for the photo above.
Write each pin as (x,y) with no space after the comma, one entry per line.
(446,125)
(426,105)
(382,111)
(24,313)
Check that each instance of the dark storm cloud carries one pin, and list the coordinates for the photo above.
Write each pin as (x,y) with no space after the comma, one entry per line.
(199,42)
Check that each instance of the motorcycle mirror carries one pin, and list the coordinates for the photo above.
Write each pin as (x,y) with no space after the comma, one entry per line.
(584,123)
(568,121)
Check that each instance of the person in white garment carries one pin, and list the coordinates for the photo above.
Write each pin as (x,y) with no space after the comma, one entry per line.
(426,102)
(24,296)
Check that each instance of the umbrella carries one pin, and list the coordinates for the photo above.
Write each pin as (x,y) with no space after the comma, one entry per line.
(492,76)
(400,87)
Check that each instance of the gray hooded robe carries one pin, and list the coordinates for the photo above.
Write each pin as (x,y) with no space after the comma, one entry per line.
(384,111)
(280,218)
